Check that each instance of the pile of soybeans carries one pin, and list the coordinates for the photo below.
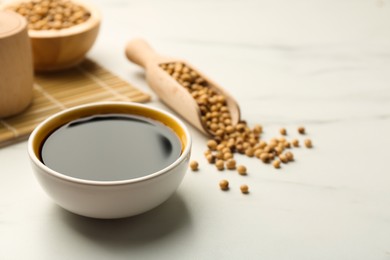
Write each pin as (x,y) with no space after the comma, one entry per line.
(228,138)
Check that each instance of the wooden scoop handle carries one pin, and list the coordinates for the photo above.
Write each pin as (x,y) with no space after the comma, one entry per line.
(140,52)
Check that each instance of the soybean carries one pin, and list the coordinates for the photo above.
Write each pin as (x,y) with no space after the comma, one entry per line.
(224,185)
(52,14)
(194,165)
(241,169)
(308,143)
(244,188)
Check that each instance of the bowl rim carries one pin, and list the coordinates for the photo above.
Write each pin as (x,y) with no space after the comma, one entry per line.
(93,21)
(58,175)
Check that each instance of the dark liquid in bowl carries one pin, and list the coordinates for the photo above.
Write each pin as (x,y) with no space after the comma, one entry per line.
(110,148)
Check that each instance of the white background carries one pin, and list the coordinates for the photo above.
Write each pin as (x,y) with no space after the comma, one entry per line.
(324,64)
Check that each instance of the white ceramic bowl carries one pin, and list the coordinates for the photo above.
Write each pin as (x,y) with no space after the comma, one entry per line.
(109,199)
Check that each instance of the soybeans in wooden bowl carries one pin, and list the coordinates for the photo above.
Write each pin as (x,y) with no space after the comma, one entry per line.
(61,31)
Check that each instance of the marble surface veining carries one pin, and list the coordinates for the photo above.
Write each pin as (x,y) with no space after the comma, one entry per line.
(321,64)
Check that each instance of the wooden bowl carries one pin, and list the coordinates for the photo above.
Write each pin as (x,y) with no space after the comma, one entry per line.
(61,49)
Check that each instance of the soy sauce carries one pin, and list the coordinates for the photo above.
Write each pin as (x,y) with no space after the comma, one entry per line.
(110,147)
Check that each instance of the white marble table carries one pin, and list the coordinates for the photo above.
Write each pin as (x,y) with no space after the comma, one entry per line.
(323,64)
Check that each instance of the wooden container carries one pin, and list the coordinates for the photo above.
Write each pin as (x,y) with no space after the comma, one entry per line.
(65,48)
(16,69)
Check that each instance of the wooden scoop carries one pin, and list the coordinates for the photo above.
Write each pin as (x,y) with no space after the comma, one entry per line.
(169,90)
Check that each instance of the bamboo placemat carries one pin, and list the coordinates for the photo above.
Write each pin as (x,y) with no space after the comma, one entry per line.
(53,92)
